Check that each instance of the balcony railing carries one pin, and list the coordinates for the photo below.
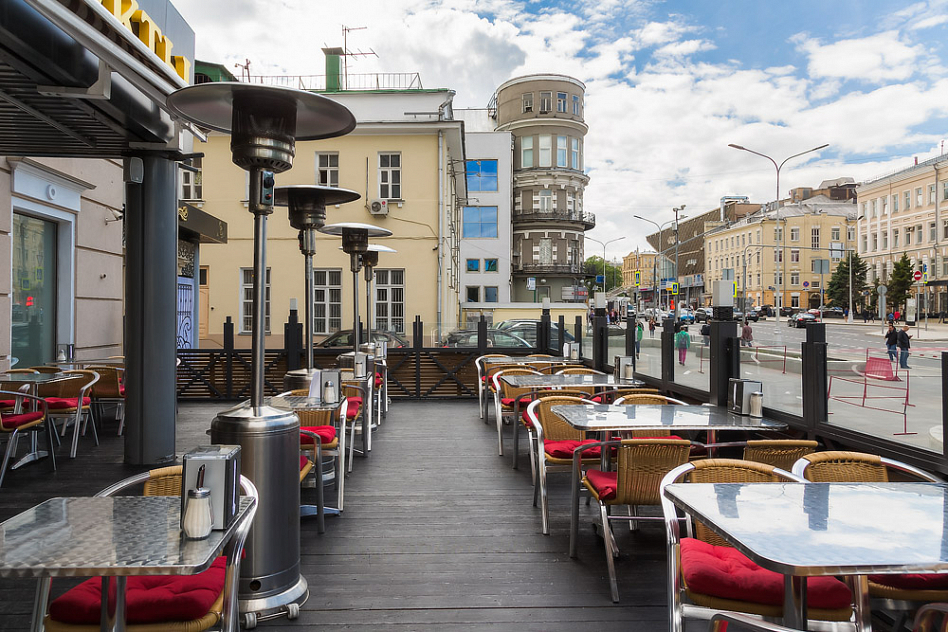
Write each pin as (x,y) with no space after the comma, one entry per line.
(587,219)
(549,268)
(368,81)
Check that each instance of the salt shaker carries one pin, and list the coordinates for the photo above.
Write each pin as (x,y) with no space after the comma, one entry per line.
(628,372)
(197,514)
(329,392)
(757,404)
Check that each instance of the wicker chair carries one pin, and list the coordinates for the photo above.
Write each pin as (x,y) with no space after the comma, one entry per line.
(32,418)
(525,422)
(559,441)
(649,399)
(109,390)
(8,405)
(640,466)
(581,370)
(898,593)
(781,453)
(73,405)
(166,481)
(490,390)
(609,397)
(704,599)
(928,617)
(321,436)
(508,399)
(46,369)
(482,382)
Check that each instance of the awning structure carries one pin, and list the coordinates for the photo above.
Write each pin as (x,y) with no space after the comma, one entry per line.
(75,80)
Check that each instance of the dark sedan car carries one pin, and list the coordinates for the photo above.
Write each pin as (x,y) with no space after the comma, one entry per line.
(343,338)
(495,338)
(800,319)
(527,329)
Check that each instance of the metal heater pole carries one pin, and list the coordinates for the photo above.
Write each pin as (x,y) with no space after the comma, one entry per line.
(369,275)
(354,257)
(259,288)
(308,311)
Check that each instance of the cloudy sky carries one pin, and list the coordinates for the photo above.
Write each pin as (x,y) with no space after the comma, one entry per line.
(668,84)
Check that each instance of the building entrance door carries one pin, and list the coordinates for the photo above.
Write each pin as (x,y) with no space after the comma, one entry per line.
(33,317)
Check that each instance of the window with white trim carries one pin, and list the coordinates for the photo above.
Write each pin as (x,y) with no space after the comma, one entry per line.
(527,100)
(546,102)
(390,300)
(327,169)
(546,150)
(918,197)
(795,255)
(932,198)
(835,233)
(390,176)
(815,237)
(908,200)
(246,301)
(192,181)
(895,203)
(526,152)
(576,106)
(561,102)
(794,277)
(544,201)
(574,153)
(327,300)
(561,152)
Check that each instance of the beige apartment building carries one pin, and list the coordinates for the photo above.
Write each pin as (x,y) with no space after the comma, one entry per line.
(904,212)
(406,159)
(816,229)
(651,267)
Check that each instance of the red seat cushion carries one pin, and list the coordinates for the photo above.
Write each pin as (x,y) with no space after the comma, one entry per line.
(355,403)
(564,449)
(303,462)
(912,581)
(58,403)
(122,390)
(7,403)
(150,598)
(724,572)
(509,401)
(605,483)
(597,399)
(526,419)
(15,421)
(326,434)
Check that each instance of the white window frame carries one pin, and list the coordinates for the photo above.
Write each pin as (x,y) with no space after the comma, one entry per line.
(561,102)
(245,301)
(545,151)
(192,182)
(526,100)
(327,174)
(327,300)
(390,300)
(526,150)
(546,102)
(390,177)
(562,152)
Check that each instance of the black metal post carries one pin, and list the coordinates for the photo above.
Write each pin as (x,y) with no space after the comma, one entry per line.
(482,335)
(561,334)
(814,356)
(151,259)
(600,339)
(725,359)
(292,341)
(543,332)
(578,333)
(229,356)
(668,353)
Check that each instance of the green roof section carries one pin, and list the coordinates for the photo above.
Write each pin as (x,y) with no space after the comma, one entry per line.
(214,72)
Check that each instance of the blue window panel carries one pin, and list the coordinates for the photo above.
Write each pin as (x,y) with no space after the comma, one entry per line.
(480,222)
(473,265)
(490,294)
(481,175)
(490,265)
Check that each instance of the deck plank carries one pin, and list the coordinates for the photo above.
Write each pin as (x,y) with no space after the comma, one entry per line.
(439,533)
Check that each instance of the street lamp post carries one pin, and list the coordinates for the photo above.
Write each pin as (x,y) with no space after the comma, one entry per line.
(604,244)
(660,228)
(778,275)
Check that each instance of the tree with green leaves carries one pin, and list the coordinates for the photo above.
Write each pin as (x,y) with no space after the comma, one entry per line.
(837,292)
(899,283)
(593,267)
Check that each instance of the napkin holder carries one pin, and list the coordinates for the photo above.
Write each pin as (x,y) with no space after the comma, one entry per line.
(739,395)
(623,369)
(221,475)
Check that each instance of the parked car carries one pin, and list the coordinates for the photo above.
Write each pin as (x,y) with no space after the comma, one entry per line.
(702,314)
(343,338)
(495,338)
(751,314)
(788,311)
(685,315)
(527,329)
(800,319)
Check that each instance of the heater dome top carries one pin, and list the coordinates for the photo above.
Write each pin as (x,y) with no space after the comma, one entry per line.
(211,105)
(344,227)
(312,194)
(377,248)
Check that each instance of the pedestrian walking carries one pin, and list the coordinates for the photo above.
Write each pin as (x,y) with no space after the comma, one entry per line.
(651,328)
(897,315)
(865,315)
(682,342)
(747,335)
(639,334)
(706,332)
(904,346)
(892,342)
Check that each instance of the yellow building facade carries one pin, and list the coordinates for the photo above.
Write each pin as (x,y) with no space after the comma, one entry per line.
(904,212)
(411,165)
(748,252)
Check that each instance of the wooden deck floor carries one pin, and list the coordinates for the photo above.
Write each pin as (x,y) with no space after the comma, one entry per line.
(439,533)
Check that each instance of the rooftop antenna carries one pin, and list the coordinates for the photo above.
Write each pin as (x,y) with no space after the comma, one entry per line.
(346,54)
(244,69)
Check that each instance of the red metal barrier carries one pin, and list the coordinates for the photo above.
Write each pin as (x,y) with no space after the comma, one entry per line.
(877,370)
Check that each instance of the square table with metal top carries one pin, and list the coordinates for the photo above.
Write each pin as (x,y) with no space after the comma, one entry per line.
(70,365)
(819,529)
(606,418)
(519,361)
(34,380)
(113,537)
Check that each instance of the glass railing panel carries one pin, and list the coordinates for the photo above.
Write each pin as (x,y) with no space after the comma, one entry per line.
(696,370)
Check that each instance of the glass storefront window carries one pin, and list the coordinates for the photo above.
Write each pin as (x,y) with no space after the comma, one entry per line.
(33,318)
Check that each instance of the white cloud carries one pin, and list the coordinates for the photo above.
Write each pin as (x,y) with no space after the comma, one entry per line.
(877,58)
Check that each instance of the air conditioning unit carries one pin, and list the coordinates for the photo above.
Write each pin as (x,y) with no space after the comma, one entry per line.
(379,207)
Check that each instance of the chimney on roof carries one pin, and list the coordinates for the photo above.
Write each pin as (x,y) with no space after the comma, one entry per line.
(333,77)
(916,161)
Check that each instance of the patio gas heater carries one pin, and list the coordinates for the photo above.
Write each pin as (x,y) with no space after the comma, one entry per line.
(307,210)
(370,259)
(355,243)
(264,122)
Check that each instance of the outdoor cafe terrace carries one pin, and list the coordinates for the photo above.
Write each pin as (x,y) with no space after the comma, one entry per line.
(439,532)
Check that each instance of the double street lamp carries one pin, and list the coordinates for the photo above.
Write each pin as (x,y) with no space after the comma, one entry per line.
(604,244)
(777,276)
(660,228)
